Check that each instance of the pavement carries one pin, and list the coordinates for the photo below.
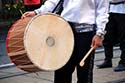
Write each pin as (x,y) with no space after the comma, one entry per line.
(12,74)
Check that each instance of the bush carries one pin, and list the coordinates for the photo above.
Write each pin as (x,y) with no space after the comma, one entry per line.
(11,11)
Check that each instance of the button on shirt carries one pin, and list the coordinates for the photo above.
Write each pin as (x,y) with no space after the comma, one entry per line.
(81,11)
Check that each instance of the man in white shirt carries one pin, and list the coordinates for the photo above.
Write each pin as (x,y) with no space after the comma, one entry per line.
(87,19)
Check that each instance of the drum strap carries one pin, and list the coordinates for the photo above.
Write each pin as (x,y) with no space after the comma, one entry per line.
(58,9)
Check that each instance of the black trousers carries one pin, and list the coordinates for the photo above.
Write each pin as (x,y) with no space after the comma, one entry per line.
(85,73)
(115,35)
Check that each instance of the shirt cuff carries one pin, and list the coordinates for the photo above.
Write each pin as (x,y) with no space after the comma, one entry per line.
(100,31)
(37,11)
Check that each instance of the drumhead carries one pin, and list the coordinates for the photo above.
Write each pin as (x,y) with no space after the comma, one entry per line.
(49,41)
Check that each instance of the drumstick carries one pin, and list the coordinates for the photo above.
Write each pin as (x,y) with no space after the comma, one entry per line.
(21,11)
(92,48)
(83,60)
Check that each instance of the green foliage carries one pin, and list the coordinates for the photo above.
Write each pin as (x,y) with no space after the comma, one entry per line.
(11,11)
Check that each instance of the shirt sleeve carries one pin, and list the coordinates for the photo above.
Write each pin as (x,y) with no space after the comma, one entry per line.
(48,6)
(102,9)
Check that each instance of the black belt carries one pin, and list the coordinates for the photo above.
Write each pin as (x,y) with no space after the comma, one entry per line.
(82,27)
(115,3)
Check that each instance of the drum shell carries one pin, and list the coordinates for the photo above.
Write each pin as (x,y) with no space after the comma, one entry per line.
(15,46)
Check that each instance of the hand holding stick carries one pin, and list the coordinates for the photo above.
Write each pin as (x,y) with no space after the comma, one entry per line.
(88,53)
(83,60)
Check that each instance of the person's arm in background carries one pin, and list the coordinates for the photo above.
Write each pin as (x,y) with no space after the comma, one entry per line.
(102,7)
(48,6)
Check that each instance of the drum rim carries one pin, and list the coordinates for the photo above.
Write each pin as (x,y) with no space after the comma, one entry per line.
(26,33)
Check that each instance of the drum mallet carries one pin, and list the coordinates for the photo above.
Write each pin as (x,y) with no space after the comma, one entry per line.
(87,54)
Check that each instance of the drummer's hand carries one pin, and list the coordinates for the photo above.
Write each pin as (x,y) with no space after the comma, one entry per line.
(96,41)
(28,14)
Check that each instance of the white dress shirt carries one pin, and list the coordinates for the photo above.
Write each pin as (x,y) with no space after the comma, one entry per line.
(81,11)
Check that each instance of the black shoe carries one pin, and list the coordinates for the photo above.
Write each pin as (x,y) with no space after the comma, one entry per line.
(120,67)
(105,64)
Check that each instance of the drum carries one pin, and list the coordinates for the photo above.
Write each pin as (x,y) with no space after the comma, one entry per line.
(46,43)
(15,46)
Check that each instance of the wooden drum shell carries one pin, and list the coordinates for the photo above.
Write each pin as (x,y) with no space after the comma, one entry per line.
(15,46)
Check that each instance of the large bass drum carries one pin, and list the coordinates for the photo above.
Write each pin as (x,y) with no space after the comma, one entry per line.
(47,42)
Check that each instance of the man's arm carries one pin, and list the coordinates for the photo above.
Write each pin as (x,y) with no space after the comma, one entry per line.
(48,6)
(102,7)
(102,14)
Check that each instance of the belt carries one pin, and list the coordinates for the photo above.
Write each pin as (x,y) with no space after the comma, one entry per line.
(82,27)
(115,3)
